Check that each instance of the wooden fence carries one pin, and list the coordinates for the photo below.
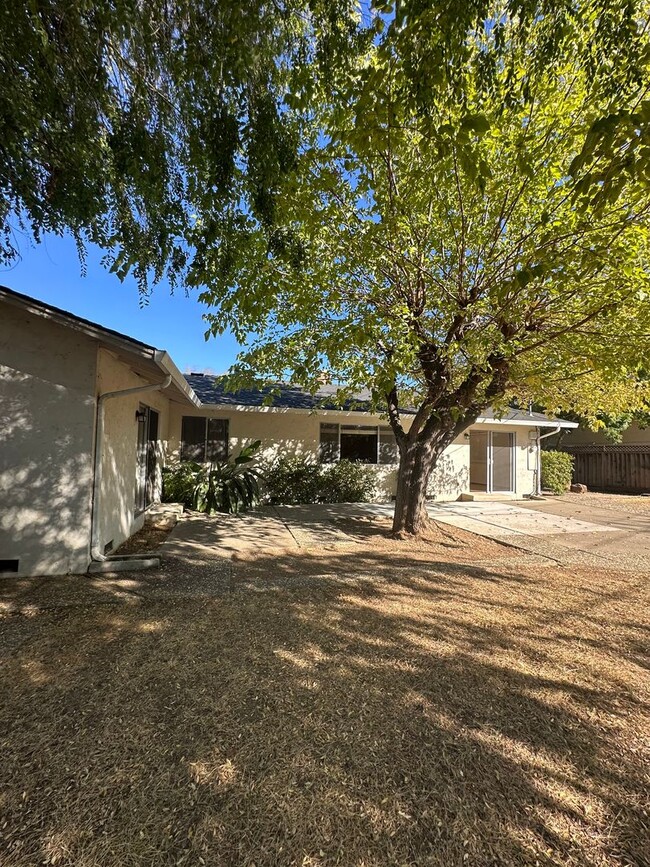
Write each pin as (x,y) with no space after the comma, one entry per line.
(624,468)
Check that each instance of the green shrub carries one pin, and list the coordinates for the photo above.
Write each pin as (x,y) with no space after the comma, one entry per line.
(557,471)
(346,482)
(229,487)
(293,480)
(179,481)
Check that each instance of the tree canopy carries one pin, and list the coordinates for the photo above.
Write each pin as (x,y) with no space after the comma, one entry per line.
(122,120)
(466,222)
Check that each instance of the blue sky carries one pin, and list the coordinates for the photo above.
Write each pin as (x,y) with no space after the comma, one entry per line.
(51,272)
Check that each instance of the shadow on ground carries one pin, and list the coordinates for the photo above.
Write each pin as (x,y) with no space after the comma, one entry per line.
(441,715)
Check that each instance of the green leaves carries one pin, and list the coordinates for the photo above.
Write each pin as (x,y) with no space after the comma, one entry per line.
(228,487)
(457,235)
(133,124)
(421,198)
(475,123)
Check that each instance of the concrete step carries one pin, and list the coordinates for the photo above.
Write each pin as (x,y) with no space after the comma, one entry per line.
(481,497)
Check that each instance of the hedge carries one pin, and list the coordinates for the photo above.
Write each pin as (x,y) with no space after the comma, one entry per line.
(557,471)
(297,480)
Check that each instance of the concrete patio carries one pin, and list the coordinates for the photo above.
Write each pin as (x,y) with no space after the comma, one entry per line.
(557,530)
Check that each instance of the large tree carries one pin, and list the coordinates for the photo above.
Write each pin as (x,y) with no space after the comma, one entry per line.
(466,223)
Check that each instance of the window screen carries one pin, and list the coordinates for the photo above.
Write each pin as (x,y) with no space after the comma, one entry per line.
(329,443)
(217,441)
(388,450)
(204,439)
(193,438)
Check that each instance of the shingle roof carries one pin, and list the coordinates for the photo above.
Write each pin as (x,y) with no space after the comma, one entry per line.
(211,391)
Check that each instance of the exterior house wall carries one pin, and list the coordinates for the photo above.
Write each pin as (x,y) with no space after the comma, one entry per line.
(283,433)
(634,435)
(47,407)
(117,514)
(297,433)
(451,478)
(525,459)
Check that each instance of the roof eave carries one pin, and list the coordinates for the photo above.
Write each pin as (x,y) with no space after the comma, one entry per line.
(529,422)
(75,323)
(166,365)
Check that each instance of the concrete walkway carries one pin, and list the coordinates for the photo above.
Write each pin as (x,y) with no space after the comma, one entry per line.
(504,520)
(562,531)
(620,537)
(541,528)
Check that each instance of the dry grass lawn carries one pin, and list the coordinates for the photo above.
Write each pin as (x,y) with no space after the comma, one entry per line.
(446,715)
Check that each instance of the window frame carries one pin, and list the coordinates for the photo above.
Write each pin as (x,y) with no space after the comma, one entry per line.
(363,429)
(206,419)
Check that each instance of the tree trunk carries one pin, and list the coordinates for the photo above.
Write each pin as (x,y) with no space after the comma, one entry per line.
(417,462)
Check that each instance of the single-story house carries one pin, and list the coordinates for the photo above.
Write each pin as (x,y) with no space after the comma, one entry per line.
(90,416)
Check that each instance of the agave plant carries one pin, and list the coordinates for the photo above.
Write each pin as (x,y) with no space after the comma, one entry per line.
(229,486)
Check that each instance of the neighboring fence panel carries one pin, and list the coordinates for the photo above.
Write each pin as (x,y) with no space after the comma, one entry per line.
(612,468)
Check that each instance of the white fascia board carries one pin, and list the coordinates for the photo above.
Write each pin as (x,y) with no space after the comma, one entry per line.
(291,410)
(165,363)
(531,422)
(360,414)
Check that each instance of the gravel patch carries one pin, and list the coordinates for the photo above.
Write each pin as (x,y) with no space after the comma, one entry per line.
(632,504)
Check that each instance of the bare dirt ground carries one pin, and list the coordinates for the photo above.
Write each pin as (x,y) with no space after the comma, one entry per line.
(150,537)
(354,707)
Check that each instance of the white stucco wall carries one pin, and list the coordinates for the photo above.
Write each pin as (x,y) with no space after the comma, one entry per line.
(292,432)
(283,433)
(117,514)
(525,459)
(47,412)
(634,435)
(451,478)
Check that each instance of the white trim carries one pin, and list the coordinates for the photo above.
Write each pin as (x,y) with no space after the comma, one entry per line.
(377,428)
(528,422)
(164,362)
(361,414)
(240,407)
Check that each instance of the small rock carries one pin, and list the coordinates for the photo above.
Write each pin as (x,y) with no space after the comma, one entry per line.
(578,489)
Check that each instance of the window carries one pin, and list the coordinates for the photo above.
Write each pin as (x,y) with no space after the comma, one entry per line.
(366,444)
(388,450)
(329,443)
(204,439)
(358,443)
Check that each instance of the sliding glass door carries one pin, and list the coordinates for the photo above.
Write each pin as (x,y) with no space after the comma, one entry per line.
(501,463)
(491,462)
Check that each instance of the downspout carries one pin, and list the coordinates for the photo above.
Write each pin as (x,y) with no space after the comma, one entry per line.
(538,474)
(95,553)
